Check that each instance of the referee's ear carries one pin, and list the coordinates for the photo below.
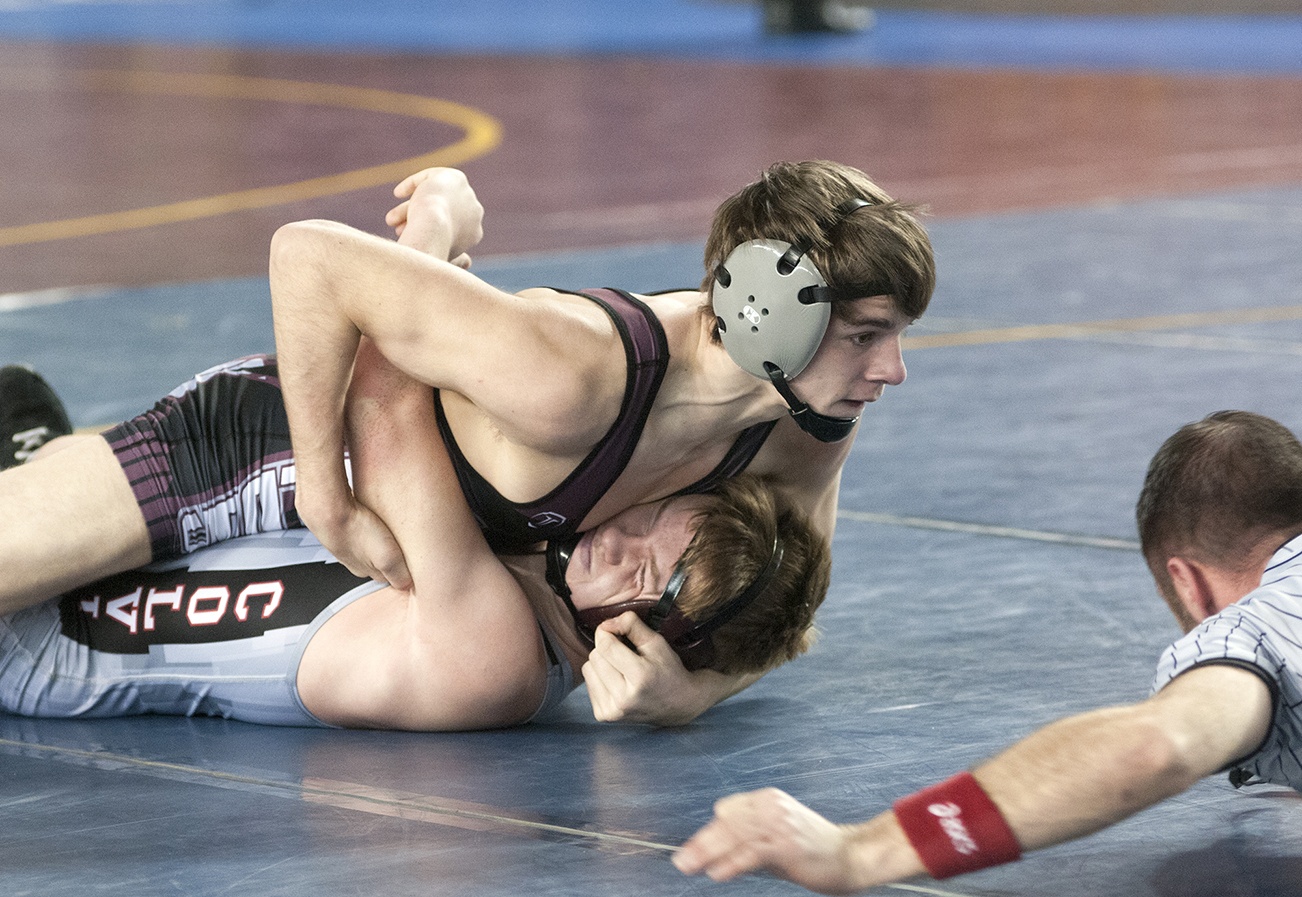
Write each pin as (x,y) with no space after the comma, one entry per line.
(1196,588)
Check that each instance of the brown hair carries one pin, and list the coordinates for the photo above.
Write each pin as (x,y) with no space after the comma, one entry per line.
(1215,489)
(796,202)
(732,545)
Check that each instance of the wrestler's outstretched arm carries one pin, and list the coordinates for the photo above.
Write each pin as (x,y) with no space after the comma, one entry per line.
(1069,779)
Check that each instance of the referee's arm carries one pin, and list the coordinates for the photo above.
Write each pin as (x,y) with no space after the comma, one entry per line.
(1086,772)
(1069,779)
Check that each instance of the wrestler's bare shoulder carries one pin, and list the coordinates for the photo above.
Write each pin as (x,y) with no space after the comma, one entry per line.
(574,318)
(686,298)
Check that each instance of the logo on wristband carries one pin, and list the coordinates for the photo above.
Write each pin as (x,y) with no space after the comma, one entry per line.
(955,827)
(948,814)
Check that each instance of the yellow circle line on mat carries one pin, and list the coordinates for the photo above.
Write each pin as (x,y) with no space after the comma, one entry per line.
(1029,332)
(482,134)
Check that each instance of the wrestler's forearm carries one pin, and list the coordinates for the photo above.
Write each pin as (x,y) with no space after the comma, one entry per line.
(316,342)
(708,688)
(810,484)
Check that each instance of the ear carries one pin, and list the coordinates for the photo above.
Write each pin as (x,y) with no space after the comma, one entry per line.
(1193,588)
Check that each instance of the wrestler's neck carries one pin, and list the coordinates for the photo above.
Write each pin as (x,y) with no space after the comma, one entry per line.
(702,377)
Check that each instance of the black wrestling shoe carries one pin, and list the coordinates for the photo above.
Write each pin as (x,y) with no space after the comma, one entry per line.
(30,414)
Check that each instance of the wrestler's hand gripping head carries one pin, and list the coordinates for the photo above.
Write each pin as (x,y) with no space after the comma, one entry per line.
(692,641)
(773,305)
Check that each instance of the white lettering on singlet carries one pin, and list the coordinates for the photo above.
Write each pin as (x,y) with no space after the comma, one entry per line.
(257,505)
(199,613)
(272,591)
(206,607)
(156,598)
(124,609)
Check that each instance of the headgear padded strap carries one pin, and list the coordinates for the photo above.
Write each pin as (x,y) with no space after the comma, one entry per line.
(823,427)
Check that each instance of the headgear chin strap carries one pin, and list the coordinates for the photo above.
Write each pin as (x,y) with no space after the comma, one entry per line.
(822,427)
(691,641)
(773,305)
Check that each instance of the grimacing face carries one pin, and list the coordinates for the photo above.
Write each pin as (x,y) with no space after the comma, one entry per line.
(633,554)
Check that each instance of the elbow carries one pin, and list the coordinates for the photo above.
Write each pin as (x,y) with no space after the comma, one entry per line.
(295,243)
(1161,763)
(289,246)
(305,264)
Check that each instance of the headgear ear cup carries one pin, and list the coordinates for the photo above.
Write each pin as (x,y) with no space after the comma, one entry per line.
(761,318)
(773,307)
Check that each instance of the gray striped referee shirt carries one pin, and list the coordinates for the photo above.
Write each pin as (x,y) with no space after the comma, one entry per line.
(1263,633)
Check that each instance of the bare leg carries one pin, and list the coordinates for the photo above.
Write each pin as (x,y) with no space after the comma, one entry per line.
(68,517)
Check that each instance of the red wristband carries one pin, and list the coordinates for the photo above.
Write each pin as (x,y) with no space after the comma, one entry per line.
(955,827)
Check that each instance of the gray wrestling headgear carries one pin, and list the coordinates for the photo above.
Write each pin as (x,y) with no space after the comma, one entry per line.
(773,306)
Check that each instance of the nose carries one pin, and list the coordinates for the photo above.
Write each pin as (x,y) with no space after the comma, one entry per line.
(886,365)
(615,544)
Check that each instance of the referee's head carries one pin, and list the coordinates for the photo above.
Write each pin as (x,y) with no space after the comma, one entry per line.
(1220,497)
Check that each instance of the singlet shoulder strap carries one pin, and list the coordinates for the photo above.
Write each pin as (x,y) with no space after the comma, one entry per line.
(738,458)
(647,350)
(561,510)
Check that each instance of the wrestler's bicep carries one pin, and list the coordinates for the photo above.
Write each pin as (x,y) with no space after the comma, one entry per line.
(523,360)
